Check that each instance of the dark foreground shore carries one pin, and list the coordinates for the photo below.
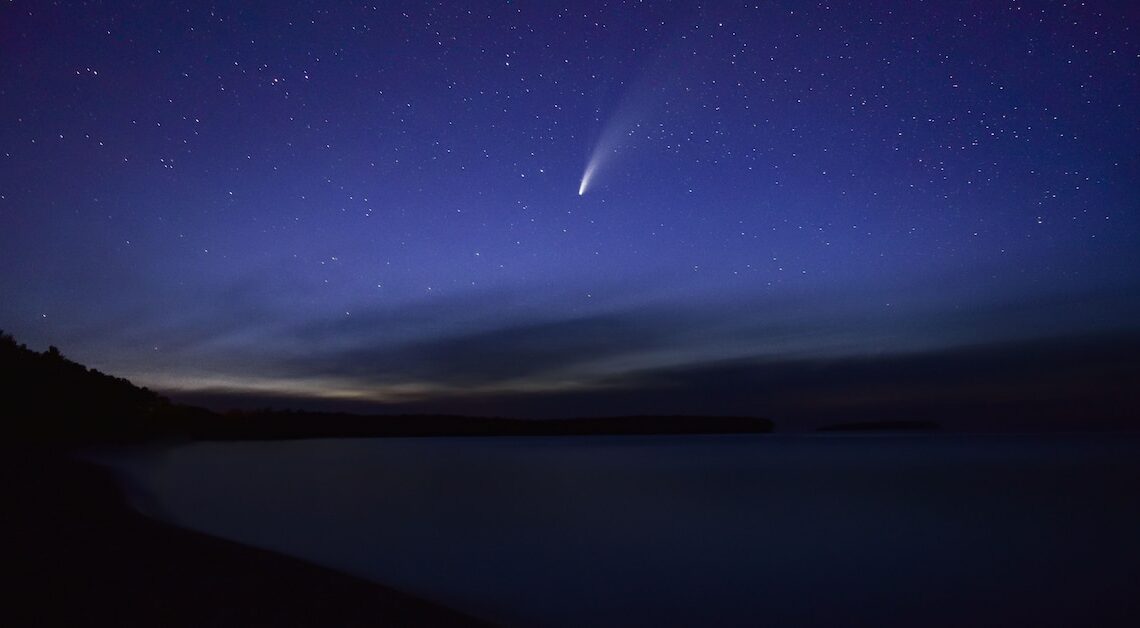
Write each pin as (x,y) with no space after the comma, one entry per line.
(75,554)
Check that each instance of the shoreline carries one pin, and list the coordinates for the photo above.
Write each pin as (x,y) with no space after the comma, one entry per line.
(82,555)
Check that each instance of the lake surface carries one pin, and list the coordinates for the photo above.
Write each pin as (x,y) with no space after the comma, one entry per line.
(711,530)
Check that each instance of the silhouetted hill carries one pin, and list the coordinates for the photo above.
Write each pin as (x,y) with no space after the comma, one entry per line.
(50,398)
(47,397)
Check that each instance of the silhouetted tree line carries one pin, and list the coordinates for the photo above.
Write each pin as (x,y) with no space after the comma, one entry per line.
(46,396)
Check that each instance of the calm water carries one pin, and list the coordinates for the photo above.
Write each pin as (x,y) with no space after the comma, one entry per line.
(713,530)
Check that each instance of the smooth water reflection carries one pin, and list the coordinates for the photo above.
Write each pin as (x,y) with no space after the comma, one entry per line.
(724,530)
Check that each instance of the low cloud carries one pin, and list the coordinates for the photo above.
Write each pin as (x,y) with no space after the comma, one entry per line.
(1070,383)
(481,357)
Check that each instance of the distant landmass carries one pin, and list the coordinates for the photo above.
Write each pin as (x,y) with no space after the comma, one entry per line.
(882,426)
(51,398)
(296,425)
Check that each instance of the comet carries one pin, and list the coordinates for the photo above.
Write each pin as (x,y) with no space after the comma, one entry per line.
(586,176)
(605,149)
(641,105)
(614,139)
(622,131)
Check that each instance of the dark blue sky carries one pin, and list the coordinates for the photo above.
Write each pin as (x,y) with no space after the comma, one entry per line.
(381,203)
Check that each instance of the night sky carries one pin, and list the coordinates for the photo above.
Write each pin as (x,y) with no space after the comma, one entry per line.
(538,209)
